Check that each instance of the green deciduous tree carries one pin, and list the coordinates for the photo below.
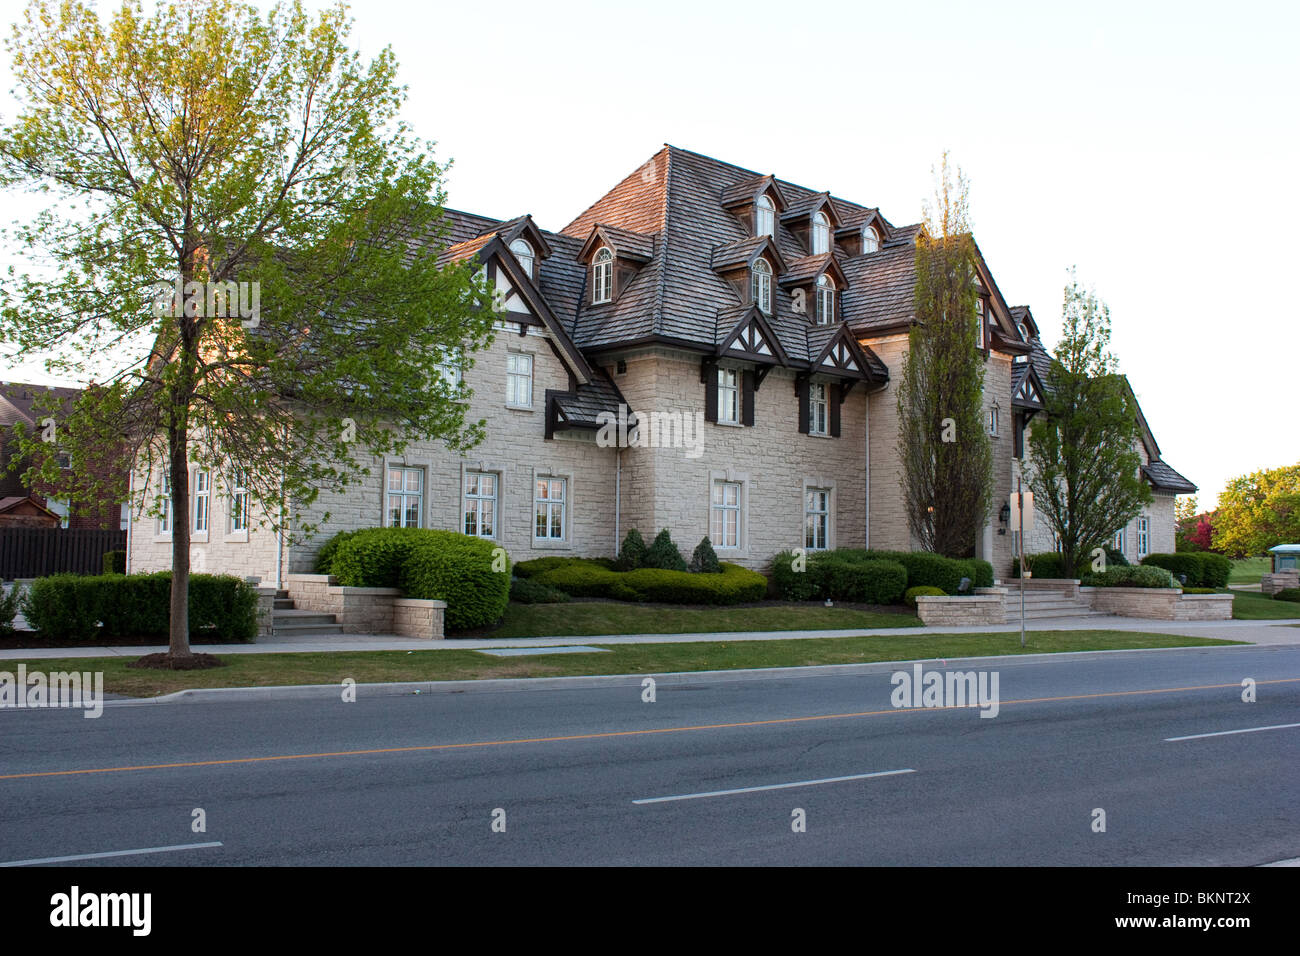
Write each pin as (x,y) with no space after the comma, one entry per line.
(947,459)
(1258,511)
(1083,465)
(246,262)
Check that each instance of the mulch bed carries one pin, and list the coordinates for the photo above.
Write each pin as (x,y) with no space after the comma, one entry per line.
(165,662)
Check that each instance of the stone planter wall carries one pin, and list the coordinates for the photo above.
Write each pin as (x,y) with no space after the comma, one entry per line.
(986,606)
(367,610)
(1279,581)
(265,611)
(1160,604)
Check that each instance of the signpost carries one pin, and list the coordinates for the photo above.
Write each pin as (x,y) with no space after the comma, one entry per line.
(1022,515)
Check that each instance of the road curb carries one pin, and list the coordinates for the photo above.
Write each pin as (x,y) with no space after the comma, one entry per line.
(669,678)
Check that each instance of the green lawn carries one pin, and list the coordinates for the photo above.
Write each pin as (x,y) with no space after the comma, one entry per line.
(1252,606)
(259,670)
(581,618)
(1249,570)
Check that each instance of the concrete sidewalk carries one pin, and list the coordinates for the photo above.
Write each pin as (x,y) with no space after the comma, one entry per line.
(1252,632)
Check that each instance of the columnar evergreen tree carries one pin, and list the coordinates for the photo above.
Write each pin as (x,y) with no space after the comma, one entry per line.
(246,263)
(947,458)
(1083,465)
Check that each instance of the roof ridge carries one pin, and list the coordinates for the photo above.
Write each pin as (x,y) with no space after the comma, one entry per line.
(657,319)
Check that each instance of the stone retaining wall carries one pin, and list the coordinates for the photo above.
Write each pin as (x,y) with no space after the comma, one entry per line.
(1160,604)
(1279,580)
(367,610)
(987,606)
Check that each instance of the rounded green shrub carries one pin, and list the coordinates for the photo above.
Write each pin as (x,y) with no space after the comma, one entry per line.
(733,585)
(456,568)
(790,584)
(374,557)
(840,578)
(912,594)
(325,556)
(1215,569)
(1133,576)
(1186,563)
(1048,564)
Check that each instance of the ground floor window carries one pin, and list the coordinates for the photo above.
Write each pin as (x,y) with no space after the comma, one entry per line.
(1121,541)
(480,504)
(549,498)
(725,523)
(817,512)
(405,497)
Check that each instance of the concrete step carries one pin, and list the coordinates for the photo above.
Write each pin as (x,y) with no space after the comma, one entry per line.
(302,617)
(298,630)
(1013,614)
(281,594)
(283,604)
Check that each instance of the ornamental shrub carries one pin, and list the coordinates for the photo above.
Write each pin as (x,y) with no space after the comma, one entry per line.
(789,584)
(452,567)
(663,554)
(705,560)
(1133,576)
(913,593)
(632,554)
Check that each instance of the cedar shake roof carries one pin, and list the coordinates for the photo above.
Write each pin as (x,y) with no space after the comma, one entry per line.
(1165,478)
(582,407)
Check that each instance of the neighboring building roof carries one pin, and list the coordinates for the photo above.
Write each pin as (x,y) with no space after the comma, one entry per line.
(19,400)
(1285,549)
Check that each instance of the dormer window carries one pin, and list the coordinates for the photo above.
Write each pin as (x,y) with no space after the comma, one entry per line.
(524,253)
(979,322)
(870,240)
(825,300)
(761,288)
(602,276)
(821,234)
(764,217)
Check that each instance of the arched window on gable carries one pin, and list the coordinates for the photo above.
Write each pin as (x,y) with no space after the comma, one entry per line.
(870,240)
(765,217)
(524,253)
(761,288)
(602,276)
(825,300)
(821,234)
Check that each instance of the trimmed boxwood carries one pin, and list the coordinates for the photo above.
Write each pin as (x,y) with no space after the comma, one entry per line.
(1186,563)
(789,584)
(580,577)
(535,566)
(841,578)
(1134,576)
(1215,569)
(374,557)
(325,556)
(528,591)
(923,591)
(72,607)
(446,566)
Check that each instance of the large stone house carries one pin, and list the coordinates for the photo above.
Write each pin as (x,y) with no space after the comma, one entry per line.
(756,326)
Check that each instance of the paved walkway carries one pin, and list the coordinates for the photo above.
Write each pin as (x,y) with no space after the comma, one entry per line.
(1253,632)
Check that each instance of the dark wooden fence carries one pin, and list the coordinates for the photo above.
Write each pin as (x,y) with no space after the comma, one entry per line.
(36,552)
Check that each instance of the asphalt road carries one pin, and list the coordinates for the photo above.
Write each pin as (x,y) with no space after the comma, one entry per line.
(1071,736)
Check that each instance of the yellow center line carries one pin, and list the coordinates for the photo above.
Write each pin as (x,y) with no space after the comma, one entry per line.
(425,748)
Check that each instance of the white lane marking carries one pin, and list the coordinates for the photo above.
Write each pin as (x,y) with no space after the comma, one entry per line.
(1225,733)
(100,856)
(772,786)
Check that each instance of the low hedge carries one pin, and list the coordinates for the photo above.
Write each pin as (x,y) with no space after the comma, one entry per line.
(528,591)
(910,596)
(1203,569)
(535,566)
(867,582)
(1132,576)
(85,608)
(1048,564)
(581,577)
(879,584)
(1287,594)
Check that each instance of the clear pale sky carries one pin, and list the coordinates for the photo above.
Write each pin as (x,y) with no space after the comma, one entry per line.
(1153,145)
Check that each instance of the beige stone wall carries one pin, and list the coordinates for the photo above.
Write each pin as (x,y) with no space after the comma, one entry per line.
(665,487)
(889,530)
(987,607)
(1161,604)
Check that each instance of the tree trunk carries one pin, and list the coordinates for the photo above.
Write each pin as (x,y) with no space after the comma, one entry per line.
(180,507)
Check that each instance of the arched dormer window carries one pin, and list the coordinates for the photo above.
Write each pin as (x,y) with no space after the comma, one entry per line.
(762,285)
(524,253)
(870,240)
(825,300)
(602,276)
(821,234)
(764,217)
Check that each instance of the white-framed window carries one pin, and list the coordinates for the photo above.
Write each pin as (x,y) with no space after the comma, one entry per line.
(202,501)
(761,286)
(994,420)
(825,299)
(724,522)
(404,504)
(1121,541)
(1144,536)
(480,504)
(124,521)
(60,508)
(519,379)
(979,322)
(817,515)
(238,501)
(729,396)
(817,409)
(549,500)
(165,506)
(602,276)
(821,234)
(870,239)
(524,253)
(764,217)
(450,366)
